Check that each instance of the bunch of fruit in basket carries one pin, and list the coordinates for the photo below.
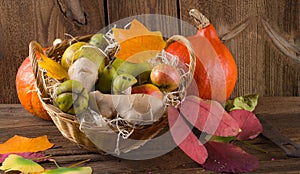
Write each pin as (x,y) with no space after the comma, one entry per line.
(119,62)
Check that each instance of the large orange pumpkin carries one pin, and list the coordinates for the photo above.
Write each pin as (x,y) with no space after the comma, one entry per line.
(27,94)
(216,70)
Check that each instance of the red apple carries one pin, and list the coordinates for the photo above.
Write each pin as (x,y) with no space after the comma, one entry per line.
(165,77)
(147,89)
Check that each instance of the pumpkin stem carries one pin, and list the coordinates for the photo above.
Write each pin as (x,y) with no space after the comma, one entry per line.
(200,20)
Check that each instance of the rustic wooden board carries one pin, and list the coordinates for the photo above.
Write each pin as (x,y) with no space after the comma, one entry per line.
(278,105)
(15,120)
(263,63)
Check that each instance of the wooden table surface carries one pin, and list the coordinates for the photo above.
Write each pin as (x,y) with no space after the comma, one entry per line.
(283,112)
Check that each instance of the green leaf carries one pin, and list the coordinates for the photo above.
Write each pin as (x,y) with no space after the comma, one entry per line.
(75,170)
(222,139)
(17,163)
(247,102)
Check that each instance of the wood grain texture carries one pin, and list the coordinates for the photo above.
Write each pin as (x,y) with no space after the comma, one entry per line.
(154,14)
(262,54)
(273,105)
(43,21)
(13,44)
(119,9)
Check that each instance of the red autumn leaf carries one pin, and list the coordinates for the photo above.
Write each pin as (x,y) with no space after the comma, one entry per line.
(226,157)
(37,157)
(209,117)
(184,137)
(248,122)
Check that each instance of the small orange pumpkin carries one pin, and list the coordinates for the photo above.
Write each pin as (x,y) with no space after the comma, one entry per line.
(26,90)
(216,70)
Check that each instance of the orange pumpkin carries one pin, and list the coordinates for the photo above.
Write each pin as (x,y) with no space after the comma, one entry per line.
(26,90)
(216,70)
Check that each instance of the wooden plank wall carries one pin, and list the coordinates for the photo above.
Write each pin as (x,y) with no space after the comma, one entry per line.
(265,62)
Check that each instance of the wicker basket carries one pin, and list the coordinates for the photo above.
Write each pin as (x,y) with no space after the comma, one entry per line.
(70,127)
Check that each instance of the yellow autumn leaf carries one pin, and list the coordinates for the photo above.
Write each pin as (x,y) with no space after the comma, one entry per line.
(138,44)
(54,69)
(17,163)
(136,29)
(19,144)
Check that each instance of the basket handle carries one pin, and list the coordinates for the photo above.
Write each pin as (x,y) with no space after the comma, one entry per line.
(34,49)
(192,65)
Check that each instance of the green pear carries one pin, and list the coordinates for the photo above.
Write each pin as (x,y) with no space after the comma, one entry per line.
(71,97)
(93,54)
(122,82)
(104,82)
(99,41)
(68,56)
(69,86)
(139,70)
(64,101)
(82,102)
(117,63)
